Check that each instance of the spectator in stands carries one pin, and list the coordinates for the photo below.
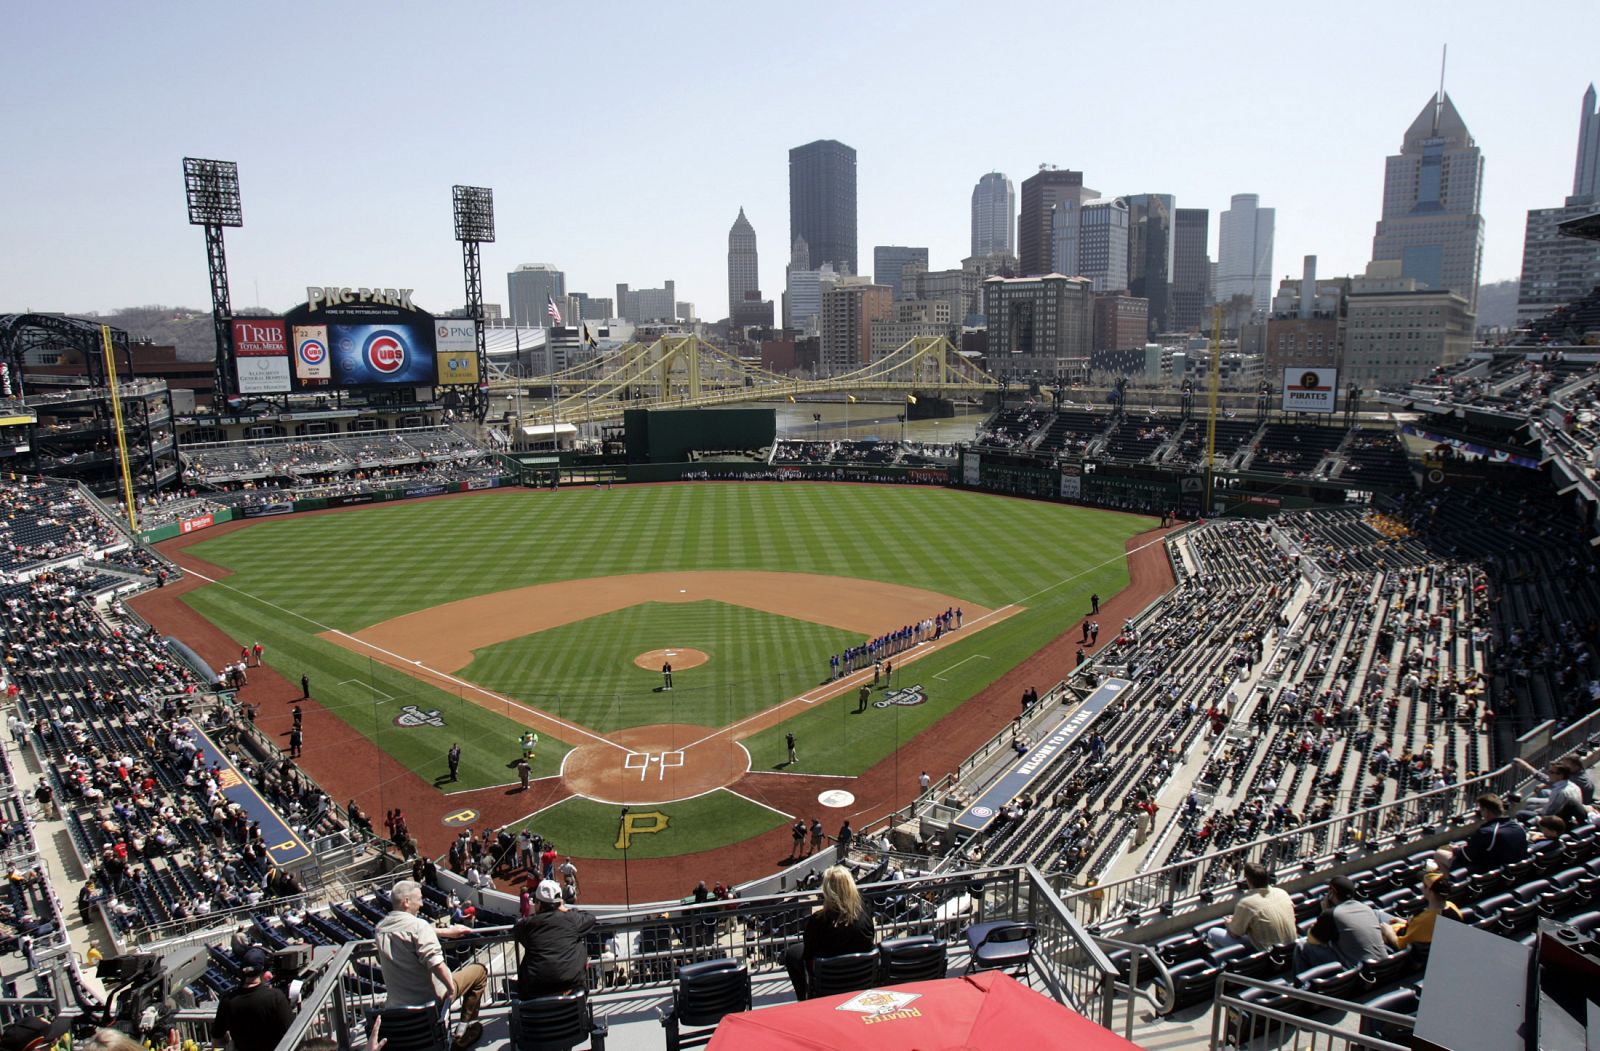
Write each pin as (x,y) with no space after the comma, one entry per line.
(414,971)
(1418,930)
(1498,841)
(256,1014)
(1263,917)
(1564,798)
(842,925)
(1347,931)
(552,945)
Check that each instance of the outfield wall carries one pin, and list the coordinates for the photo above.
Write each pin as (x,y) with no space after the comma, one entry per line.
(319,503)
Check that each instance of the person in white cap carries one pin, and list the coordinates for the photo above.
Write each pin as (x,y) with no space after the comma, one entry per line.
(552,945)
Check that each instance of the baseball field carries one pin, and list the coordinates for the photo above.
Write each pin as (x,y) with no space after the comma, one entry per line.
(472,620)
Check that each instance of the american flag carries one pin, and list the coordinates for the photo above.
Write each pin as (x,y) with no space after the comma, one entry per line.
(552,309)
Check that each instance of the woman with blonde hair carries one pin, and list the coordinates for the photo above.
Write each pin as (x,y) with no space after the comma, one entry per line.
(842,925)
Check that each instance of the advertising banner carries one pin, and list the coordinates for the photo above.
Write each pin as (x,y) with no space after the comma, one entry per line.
(426,490)
(266,510)
(476,484)
(354,499)
(1015,781)
(376,355)
(970,468)
(456,340)
(261,355)
(1310,390)
(284,846)
(1071,486)
(312,365)
(191,525)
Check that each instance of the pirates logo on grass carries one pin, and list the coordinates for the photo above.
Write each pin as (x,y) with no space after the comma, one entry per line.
(882,1005)
(411,717)
(907,697)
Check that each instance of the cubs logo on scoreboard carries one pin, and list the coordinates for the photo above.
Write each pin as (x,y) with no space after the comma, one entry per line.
(367,355)
(311,358)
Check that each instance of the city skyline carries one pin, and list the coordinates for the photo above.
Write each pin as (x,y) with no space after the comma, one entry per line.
(101,224)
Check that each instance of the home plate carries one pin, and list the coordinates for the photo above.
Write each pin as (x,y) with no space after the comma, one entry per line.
(837,798)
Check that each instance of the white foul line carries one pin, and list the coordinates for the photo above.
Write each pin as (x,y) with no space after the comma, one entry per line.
(959,663)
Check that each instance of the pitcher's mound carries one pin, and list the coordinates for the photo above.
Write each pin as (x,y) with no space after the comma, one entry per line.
(681,659)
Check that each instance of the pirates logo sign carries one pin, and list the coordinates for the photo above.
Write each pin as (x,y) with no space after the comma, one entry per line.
(411,717)
(882,1005)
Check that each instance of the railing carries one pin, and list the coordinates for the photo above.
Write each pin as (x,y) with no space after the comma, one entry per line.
(1288,1019)
(1544,743)
(1128,902)
(643,950)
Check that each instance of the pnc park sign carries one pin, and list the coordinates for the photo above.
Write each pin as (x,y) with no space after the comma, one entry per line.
(318,297)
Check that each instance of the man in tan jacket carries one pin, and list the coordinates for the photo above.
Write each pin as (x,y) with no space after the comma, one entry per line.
(1263,918)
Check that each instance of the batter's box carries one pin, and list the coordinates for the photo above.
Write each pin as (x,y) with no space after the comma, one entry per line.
(641,761)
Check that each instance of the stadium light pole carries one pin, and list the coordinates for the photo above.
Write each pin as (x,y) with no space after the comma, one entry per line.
(212,189)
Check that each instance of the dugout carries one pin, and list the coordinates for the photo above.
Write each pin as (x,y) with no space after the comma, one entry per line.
(669,435)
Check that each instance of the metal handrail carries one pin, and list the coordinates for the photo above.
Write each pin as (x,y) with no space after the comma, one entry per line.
(1223,1004)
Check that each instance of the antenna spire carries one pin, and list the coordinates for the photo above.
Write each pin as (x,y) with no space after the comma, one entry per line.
(1438,100)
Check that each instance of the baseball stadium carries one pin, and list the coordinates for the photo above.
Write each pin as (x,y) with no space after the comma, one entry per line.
(667,639)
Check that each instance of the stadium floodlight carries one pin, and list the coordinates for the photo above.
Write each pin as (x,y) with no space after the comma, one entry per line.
(474,213)
(213,188)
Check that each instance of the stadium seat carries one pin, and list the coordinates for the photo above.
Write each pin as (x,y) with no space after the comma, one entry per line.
(413,1029)
(911,959)
(706,992)
(845,973)
(1398,1001)
(555,1023)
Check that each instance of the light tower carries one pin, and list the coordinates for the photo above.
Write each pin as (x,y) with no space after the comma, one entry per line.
(213,192)
(474,210)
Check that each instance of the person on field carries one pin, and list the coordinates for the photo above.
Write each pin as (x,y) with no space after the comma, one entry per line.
(793,756)
(666,675)
(305,688)
(453,757)
(524,772)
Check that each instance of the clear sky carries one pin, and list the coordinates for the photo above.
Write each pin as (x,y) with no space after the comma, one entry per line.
(622,139)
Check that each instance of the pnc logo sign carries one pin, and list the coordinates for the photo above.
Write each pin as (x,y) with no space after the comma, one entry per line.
(385,352)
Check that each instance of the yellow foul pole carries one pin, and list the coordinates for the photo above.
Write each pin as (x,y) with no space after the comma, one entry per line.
(116,415)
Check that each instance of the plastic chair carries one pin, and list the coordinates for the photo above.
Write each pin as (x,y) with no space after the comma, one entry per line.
(554,1023)
(917,958)
(846,973)
(706,992)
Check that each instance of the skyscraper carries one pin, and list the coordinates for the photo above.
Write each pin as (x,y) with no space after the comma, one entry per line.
(1431,193)
(1244,252)
(744,275)
(532,286)
(1191,280)
(1041,192)
(822,202)
(1150,254)
(889,260)
(1556,269)
(1091,240)
(994,216)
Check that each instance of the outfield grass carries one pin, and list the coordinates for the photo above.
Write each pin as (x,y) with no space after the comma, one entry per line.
(294,577)
(586,669)
(586,829)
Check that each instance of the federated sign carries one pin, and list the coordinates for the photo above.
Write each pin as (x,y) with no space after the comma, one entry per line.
(284,846)
(1015,781)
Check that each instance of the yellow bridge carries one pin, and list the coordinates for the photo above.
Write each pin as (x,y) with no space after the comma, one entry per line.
(688,372)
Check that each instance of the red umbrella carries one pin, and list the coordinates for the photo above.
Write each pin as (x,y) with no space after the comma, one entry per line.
(982,1012)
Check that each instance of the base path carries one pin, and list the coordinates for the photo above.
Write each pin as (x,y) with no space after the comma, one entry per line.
(443,638)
